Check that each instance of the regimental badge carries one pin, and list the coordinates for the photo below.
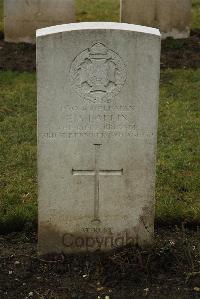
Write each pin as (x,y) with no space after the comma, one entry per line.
(98,74)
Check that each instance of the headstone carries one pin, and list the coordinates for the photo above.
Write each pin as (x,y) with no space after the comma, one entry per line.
(98,86)
(23,17)
(171,17)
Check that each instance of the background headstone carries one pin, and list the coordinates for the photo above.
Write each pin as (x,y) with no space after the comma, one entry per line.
(98,86)
(171,17)
(23,17)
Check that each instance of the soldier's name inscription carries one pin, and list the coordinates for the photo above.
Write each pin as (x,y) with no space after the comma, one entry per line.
(99,121)
(91,117)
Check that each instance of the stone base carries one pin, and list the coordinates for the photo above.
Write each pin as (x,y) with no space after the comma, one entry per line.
(176,34)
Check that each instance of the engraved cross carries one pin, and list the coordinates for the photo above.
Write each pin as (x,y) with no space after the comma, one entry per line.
(97,172)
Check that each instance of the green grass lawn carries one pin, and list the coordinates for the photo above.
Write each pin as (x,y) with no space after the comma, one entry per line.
(17,150)
(195,14)
(98,10)
(1,15)
(178,171)
(177,168)
(108,10)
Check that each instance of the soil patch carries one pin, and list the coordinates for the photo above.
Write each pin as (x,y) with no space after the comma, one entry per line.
(17,57)
(182,53)
(168,269)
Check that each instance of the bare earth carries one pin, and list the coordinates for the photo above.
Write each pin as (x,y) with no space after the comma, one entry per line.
(183,53)
(169,269)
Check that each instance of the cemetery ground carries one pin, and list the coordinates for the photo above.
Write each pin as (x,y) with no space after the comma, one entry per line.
(168,269)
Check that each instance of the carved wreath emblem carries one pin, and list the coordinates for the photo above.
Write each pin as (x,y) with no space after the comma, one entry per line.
(98,73)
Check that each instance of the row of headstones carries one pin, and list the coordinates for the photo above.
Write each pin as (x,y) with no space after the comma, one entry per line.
(23,17)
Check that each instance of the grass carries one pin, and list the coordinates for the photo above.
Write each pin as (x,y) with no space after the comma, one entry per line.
(108,10)
(1,15)
(98,10)
(177,168)
(195,14)
(178,171)
(17,150)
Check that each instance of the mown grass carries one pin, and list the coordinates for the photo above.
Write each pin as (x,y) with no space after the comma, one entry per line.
(1,15)
(98,10)
(108,10)
(178,160)
(17,150)
(195,14)
(178,149)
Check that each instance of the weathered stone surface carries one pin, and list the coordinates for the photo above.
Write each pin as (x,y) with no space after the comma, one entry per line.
(23,17)
(97,128)
(171,17)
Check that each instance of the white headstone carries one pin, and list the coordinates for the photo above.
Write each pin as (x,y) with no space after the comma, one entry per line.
(171,17)
(98,86)
(23,17)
